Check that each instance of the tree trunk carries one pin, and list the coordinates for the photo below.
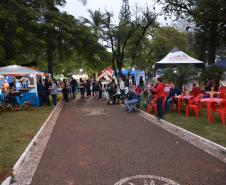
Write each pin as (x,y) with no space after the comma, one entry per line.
(113,64)
(50,60)
(212,44)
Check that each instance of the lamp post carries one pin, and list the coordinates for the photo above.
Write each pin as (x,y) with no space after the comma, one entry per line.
(187,36)
(175,76)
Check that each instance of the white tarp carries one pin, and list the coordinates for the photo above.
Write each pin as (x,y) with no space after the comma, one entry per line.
(178,57)
(18,70)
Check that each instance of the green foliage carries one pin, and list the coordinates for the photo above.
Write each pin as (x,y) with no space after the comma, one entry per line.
(37,33)
(212,73)
(164,40)
(181,75)
(209,17)
(126,38)
(153,48)
(15,137)
(95,23)
(214,132)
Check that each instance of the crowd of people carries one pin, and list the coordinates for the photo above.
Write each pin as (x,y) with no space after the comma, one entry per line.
(164,94)
(119,90)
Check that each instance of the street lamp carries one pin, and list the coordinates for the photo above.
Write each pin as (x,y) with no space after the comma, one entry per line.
(187,33)
(80,70)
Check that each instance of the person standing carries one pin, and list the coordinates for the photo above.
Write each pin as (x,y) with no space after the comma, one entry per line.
(159,90)
(53,92)
(100,90)
(88,91)
(141,82)
(112,91)
(41,92)
(82,88)
(93,87)
(74,85)
(46,92)
(5,86)
(65,91)
(122,87)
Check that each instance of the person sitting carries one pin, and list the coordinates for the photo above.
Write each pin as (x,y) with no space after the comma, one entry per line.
(173,92)
(195,90)
(132,99)
(138,90)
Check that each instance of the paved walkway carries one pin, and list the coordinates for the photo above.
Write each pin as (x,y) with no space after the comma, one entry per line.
(97,144)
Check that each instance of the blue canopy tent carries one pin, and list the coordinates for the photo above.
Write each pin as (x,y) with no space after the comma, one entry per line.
(15,70)
(134,73)
(220,62)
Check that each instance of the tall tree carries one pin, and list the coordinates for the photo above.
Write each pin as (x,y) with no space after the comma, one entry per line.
(208,15)
(128,33)
(95,23)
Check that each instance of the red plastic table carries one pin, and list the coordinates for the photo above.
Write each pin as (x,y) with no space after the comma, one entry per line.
(210,102)
(180,99)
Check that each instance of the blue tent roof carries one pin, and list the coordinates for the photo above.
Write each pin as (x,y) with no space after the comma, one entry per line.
(132,73)
(221,63)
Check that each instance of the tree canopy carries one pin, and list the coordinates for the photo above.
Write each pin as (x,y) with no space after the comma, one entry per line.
(209,17)
(37,33)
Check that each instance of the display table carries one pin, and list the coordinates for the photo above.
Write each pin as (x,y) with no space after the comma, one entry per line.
(29,97)
(24,97)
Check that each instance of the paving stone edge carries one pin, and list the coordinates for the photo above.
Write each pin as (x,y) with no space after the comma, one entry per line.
(32,143)
(206,145)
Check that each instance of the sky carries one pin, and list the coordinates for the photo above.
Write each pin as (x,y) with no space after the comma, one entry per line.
(76,8)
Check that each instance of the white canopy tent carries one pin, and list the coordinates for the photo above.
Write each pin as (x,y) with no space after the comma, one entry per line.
(19,70)
(179,57)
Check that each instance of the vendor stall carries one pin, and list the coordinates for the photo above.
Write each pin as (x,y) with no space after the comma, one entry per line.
(177,57)
(30,93)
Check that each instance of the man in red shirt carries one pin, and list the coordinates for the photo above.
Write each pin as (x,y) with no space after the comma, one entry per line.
(159,90)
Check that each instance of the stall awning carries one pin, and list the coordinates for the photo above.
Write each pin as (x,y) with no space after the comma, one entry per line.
(18,70)
(178,57)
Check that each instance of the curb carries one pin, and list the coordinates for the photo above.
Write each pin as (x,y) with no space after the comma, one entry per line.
(205,145)
(7,181)
(33,142)
(24,155)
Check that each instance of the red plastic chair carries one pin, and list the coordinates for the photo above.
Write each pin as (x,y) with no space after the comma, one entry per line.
(152,106)
(194,104)
(222,111)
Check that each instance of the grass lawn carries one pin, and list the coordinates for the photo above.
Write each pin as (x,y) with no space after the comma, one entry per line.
(215,132)
(17,128)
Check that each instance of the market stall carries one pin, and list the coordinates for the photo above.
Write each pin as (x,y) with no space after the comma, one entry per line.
(176,57)
(15,73)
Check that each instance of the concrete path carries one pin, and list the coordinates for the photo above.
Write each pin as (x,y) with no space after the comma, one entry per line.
(98,144)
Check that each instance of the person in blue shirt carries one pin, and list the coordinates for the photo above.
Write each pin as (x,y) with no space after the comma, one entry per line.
(133,99)
(17,85)
(174,91)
